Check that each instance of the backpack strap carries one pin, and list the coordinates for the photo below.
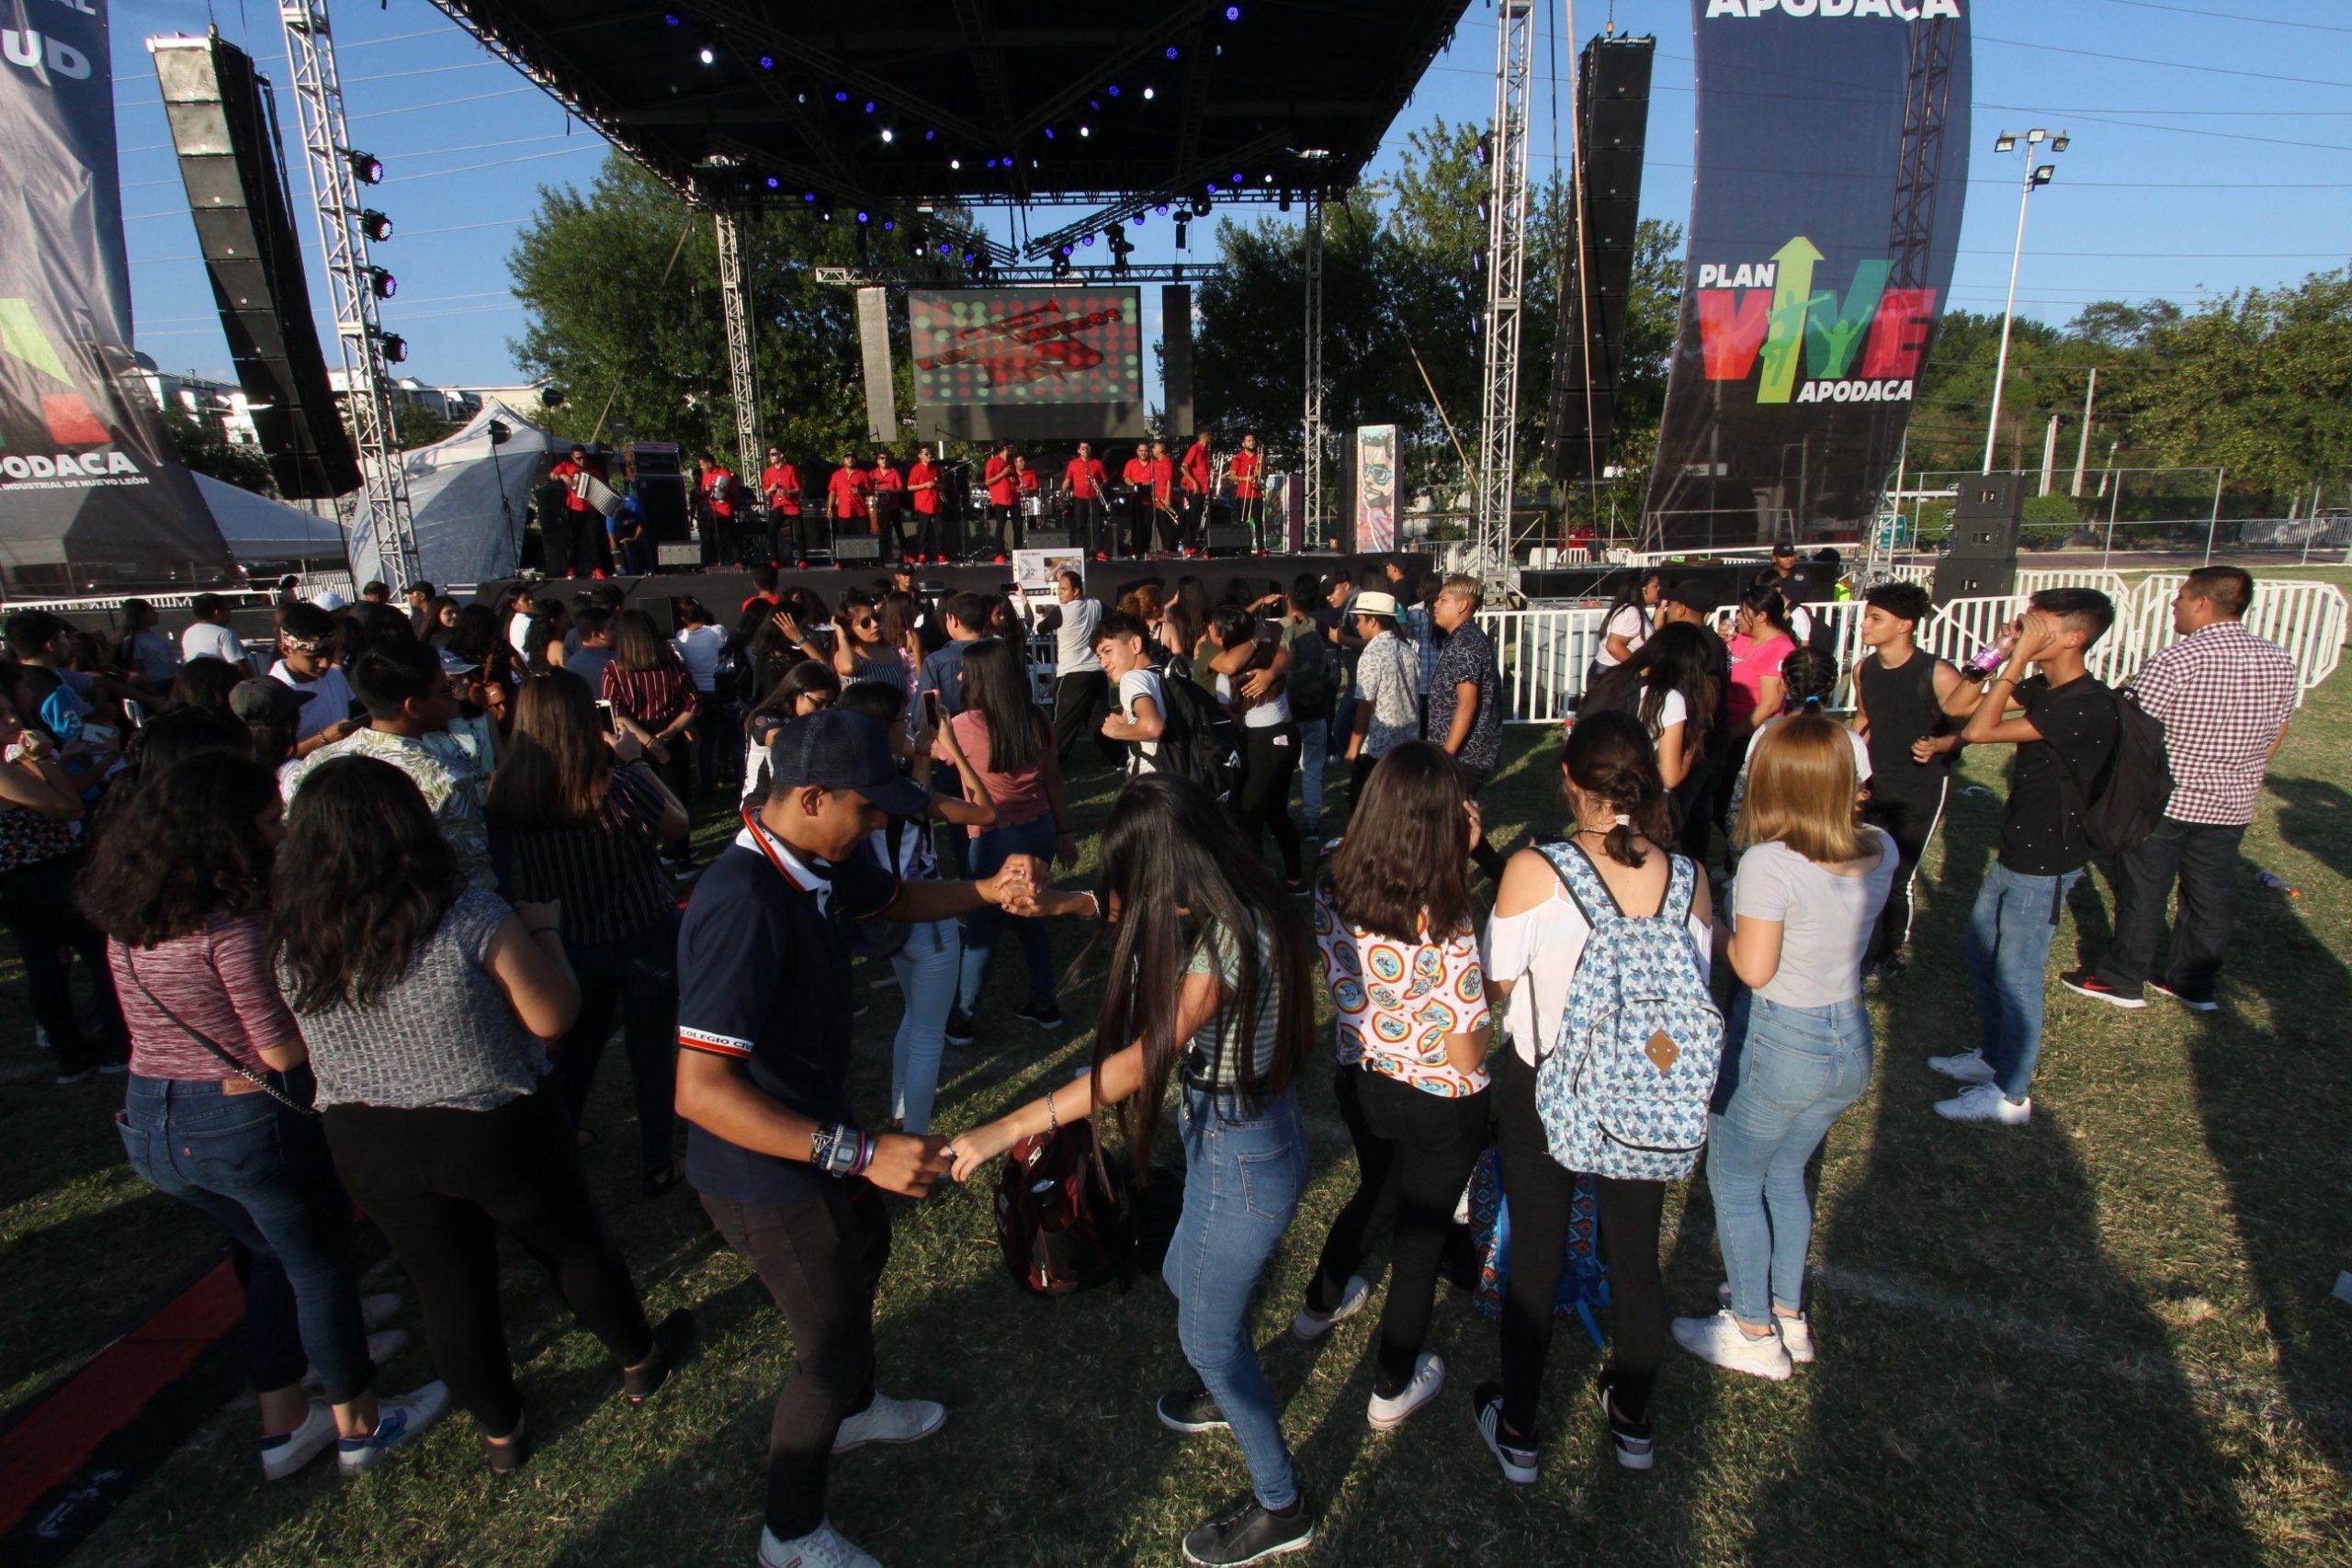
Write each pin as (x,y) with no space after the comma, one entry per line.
(1575,873)
(1681,889)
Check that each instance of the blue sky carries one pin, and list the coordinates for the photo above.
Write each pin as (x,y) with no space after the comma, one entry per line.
(2213,151)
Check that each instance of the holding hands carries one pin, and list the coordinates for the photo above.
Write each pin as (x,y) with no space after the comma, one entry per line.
(907,1164)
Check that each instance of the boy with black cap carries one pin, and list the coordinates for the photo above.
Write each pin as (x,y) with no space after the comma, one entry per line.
(763,1022)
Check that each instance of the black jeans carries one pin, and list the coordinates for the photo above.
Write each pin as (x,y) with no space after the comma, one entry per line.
(1909,814)
(822,1260)
(1487,858)
(1004,528)
(1693,801)
(636,979)
(1261,800)
(2203,857)
(1414,1155)
(1539,1190)
(934,533)
(441,1183)
(36,905)
(1081,702)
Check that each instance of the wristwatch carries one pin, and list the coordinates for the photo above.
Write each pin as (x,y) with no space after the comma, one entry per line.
(839,1149)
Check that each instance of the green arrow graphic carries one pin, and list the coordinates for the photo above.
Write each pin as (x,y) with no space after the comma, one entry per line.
(1792,292)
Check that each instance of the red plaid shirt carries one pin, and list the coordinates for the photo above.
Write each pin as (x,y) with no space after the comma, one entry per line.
(2223,694)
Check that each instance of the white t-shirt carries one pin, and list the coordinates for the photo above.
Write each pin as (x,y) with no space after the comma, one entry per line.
(1632,622)
(1074,637)
(330,701)
(518,634)
(209,639)
(1800,623)
(1145,758)
(1671,712)
(699,648)
(1536,953)
(1274,710)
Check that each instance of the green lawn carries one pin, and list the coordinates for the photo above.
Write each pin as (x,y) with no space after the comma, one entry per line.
(2107,1337)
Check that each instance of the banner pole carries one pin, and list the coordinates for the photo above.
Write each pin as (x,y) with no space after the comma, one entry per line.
(2214,523)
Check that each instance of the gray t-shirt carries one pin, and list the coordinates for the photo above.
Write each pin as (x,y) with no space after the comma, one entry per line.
(442,1034)
(1074,637)
(1826,918)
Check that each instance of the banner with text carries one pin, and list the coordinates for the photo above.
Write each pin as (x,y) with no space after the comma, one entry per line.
(1825,216)
(92,493)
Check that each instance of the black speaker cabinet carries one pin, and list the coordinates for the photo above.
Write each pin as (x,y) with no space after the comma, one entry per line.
(1984,515)
(1045,539)
(857,546)
(1228,538)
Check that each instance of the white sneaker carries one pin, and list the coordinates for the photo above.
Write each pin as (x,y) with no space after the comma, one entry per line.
(1985,1102)
(888,1420)
(400,1421)
(1969,1066)
(1429,1376)
(1796,1333)
(303,1444)
(382,1345)
(1308,1327)
(1721,1340)
(820,1548)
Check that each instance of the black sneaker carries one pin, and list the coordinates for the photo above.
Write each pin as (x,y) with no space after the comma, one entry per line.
(1630,1439)
(1047,1017)
(1517,1456)
(673,1336)
(1250,1535)
(959,1027)
(1191,1410)
(2087,983)
(1889,967)
(2195,1004)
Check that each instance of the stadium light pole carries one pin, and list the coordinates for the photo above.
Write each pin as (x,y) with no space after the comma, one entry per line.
(2035,175)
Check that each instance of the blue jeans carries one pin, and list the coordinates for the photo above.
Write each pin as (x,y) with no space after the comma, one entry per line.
(1794,1072)
(927,967)
(636,977)
(1314,751)
(1244,1170)
(983,925)
(262,1173)
(2008,948)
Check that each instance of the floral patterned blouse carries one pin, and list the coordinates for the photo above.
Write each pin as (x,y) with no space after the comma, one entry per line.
(1396,1001)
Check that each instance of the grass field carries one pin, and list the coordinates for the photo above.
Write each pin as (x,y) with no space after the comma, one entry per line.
(2106,1338)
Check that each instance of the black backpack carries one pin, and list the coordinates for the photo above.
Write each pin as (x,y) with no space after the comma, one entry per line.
(1197,738)
(2123,805)
(1060,1229)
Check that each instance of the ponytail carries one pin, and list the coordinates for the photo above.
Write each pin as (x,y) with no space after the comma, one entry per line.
(1611,758)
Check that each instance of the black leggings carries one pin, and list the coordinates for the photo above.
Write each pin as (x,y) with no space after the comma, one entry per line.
(441,1183)
(1909,814)
(820,1259)
(1539,1190)
(1414,1155)
(1261,800)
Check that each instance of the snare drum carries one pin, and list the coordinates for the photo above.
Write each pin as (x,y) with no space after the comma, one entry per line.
(1033,506)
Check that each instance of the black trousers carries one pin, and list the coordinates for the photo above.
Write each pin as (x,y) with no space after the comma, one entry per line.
(556,525)
(1539,1190)
(1193,512)
(1261,800)
(1081,702)
(1414,1154)
(1086,523)
(1488,858)
(2203,858)
(441,1183)
(1694,802)
(591,548)
(36,905)
(1907,813)
(820,1260)
(1140,514)
(1005,527)
(791,538)
(934,533)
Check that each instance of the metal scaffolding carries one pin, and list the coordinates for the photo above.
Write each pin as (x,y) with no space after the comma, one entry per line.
(742,366)
(1311,445)
(335,191)
(1506,267)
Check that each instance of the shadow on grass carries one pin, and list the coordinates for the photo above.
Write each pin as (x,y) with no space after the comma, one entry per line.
(2315,817)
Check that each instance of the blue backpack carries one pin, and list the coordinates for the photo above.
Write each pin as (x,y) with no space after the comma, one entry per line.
(1624,1091)
(1583,1290)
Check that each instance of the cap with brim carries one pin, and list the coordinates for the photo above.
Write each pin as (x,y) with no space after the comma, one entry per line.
(266,701)
(833,748)
(1692,595)
(1373,603)
(1780,550)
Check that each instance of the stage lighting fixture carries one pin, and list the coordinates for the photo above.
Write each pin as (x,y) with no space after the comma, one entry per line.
(706,49)
(670,18)
(864,217)
(2036,137)
(1086,239)
(767,63)
(1233,13)
(1172,51)
(1161,209)
(1201,204)
(1485,151)
(375,225)
(1147,94)
(840,97)
(365,167)
(954,162)
(382,284)
(774,184)
(1138,219)
(931,136)
(887,225)
(393,346)
(1065,250)
(807,196)
(869,106)
(1083,131)
(1237,179)
(500,432)
(886,134)
(1113,89)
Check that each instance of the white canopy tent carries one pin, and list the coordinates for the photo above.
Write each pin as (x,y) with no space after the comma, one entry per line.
(468,498)
(260,529)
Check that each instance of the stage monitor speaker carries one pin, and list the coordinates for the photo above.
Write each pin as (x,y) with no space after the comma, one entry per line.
(225,133)
(1613,103)
(1228,538)
(1045,539)
(857,546)
(1176,354)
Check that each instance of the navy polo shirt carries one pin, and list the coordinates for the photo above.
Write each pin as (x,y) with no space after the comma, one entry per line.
(763,977)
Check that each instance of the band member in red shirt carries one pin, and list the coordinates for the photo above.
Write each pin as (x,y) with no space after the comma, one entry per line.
(570,543)
(1249,470)
(997,475)
(1083,480)
(1196,480)
(780,488)
(889,500)
(715,497)
(1134,499)
(1163,496)
(845,495)
(922,493)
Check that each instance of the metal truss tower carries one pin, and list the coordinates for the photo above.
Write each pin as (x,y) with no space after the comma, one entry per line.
(335,190)
(742,368)
(1506,270)
(1311,452)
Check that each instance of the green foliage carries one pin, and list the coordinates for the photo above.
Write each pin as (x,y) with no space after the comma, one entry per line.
(420,426)
(202,448)
(2055,509)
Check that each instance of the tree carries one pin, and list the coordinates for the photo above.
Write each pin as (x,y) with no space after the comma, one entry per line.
(420,426)
(203,448)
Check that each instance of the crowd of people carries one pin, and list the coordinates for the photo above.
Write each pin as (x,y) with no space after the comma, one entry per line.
(359,922)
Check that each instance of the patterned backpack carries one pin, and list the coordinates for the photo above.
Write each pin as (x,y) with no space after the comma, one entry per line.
(1624,1092)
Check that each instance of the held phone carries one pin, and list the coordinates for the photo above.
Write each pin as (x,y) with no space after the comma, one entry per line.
(605,715)
(931,710)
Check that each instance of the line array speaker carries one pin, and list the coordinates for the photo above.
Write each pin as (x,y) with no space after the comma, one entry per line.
(1176,356)
(1613,118)
(227,141)
(1983,560)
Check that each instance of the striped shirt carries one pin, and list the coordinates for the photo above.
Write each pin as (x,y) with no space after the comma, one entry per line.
(215,979)
(653,698)
(608,874)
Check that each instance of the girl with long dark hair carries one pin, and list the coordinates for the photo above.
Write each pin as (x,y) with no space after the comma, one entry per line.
(1009,744)
(652,691)
(806,687)
(581,820)
(1246,669)
(1400,955)
(216,1109)
(1533,945)
(424,1000)
(860,650)
(1669,685)
(1211,980)
(1630,619)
